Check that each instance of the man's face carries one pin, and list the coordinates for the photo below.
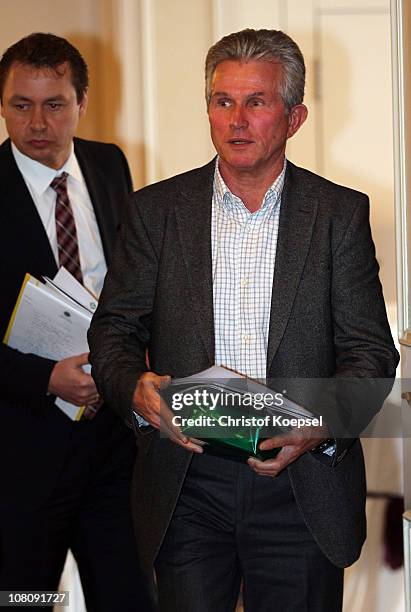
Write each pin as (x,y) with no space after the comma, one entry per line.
(41,112)
(248,119)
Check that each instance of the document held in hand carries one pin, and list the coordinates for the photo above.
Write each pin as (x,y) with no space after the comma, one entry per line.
(232,413)
(48,322)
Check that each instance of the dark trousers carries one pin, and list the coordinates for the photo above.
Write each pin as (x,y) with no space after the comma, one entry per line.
(88,512)
(232,526)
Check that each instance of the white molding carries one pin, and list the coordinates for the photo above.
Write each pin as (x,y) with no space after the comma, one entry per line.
(122,81)
(400,174)
(283,11)
(149,89)
(354,10)
(128,47)
(216,20)
(406,525)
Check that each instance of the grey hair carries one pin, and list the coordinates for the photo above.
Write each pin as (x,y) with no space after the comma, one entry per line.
(263,45)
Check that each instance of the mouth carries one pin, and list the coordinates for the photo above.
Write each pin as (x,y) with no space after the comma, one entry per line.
(39,143)
(239,142)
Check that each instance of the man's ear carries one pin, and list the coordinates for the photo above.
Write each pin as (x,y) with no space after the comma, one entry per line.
(296,117)
(83,104)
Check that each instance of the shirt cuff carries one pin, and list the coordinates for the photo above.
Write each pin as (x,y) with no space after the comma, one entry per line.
(140,422)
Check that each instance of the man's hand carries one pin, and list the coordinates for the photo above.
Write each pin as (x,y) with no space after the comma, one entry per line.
(69,381)
(294,443)
(149,404)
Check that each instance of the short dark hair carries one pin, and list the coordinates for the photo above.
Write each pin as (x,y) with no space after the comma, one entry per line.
(261,45)
(46,51)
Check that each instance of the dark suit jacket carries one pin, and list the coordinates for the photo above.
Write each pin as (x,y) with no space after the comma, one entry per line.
(34,434)
(327,319)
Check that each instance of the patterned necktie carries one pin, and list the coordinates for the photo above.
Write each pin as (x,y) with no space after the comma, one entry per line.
(66,229)
(68,247)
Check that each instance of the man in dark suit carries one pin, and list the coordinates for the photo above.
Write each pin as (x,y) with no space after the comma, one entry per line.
(65,484)
(269,270)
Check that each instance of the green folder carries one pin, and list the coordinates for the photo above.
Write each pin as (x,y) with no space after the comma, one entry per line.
(238,441)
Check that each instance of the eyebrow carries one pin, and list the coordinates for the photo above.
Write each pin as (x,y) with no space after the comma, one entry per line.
(251,95)
(19,97)
(23,98)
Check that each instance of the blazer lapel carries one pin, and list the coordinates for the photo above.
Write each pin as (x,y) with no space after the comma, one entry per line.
(297,218)
(20,211)
(96,186)
(193,216)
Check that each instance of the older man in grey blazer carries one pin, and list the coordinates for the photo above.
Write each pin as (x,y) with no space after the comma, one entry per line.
(270,270)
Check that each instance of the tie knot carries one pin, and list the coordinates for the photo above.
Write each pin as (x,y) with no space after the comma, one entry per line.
(59,183)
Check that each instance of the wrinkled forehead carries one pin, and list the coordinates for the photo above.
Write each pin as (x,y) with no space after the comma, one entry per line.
(249,74)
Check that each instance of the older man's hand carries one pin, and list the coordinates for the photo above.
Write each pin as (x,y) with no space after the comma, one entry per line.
(148,403)
(293,444)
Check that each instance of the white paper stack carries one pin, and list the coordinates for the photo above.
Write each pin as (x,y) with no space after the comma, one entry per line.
(51,320)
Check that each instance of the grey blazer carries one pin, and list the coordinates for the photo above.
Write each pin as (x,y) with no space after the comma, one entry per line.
(327,320)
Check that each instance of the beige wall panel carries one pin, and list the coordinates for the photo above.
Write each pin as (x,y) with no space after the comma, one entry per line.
(182,37)
(233,15)
(120,82)
(299,23)
(356,131)
(78,20)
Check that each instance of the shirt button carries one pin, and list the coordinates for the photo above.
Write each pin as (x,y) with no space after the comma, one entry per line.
(246,338)
(244,282)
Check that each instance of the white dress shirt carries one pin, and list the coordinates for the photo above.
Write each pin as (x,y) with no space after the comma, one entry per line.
(38,177)
(244,247)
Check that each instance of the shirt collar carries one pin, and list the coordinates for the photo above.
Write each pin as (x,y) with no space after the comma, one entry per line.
(231,202)
(40,176)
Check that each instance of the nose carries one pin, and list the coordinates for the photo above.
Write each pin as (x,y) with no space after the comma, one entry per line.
(37,119)
(238,119)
